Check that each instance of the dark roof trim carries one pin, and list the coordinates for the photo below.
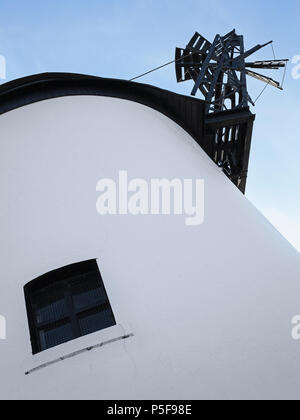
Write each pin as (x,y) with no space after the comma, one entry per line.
(186,111)
(213,132)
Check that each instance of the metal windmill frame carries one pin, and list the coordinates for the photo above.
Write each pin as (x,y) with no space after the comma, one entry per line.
(220,70)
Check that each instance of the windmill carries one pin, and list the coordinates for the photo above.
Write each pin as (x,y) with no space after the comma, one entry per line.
(220,70)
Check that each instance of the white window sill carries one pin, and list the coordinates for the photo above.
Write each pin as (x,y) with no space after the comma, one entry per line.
(92,342)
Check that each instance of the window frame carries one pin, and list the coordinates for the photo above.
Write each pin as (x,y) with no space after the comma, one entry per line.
(64,277)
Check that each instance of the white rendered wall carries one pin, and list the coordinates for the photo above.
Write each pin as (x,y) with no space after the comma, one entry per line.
(210,307)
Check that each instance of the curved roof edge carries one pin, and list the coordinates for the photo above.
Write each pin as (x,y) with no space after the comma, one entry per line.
(186,111)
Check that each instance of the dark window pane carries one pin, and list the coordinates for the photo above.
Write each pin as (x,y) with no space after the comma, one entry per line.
(66,304)
(54,336)
(88,291)
(92,322)
(50,305)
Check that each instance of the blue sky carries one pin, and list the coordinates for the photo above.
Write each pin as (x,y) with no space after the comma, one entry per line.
(123,38)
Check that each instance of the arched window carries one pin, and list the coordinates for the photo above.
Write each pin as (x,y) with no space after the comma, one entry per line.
(66,304)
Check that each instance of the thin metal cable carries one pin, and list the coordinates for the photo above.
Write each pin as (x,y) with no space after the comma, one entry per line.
(284,75)
(273,51)
(262,92)
(161,67)
(285,67)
